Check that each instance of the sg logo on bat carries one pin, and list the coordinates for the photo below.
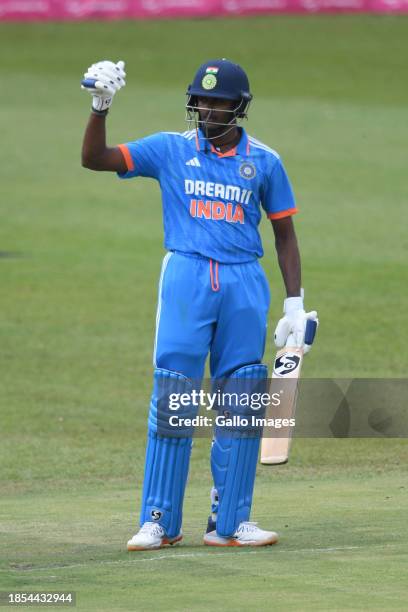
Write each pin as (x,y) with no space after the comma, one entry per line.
(286,364)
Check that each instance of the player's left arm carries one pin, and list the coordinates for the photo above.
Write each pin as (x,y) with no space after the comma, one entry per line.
(288,254)
(291,327)
(279,204)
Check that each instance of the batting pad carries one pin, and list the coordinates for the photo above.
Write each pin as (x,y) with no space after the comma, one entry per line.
(167,456)
(234,456)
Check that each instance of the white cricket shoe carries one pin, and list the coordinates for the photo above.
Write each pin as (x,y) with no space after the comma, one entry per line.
(247,534)
(150,537)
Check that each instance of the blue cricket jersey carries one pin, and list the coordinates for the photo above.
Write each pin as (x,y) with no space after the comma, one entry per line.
(211,200)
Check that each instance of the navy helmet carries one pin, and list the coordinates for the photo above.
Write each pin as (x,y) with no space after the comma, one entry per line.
(221,78)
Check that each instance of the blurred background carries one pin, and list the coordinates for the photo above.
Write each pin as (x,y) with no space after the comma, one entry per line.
(80,256)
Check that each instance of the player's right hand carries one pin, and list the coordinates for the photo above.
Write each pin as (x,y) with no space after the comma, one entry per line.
(103,80)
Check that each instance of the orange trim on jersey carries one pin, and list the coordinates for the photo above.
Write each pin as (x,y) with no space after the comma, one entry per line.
(229,153)
(283,213)
(247,147)
(127,157)
(214,286)
(197,141)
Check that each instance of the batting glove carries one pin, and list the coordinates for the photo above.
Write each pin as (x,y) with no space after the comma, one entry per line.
(290,330)
(103,80)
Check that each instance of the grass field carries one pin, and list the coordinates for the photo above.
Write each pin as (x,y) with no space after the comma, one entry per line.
(81,254)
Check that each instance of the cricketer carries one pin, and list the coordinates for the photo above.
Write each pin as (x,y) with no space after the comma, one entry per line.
(213,294)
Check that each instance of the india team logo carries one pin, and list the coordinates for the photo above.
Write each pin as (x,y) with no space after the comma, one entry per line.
(247,170)
(209,81)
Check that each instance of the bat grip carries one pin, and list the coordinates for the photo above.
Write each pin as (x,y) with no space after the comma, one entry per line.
(310,331)
(89,83)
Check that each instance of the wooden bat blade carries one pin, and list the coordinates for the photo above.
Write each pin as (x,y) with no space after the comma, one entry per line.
(287,365)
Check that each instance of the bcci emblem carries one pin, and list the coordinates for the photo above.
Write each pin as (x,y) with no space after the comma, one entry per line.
(247,170)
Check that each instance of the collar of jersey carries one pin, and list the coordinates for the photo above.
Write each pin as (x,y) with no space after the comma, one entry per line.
(242,148)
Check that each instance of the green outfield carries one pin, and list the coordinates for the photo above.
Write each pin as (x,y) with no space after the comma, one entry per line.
(80,255)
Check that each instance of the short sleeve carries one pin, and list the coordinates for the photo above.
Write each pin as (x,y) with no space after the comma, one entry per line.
(278,199)
(144,157)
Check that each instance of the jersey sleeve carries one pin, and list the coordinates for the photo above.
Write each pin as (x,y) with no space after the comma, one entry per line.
(144,157)
(278,200)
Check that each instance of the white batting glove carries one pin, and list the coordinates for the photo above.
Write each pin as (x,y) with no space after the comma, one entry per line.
(290,330)
(103,80)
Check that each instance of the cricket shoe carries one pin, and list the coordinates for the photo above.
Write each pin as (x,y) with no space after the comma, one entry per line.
(150,537)
(247,534)
(211,525)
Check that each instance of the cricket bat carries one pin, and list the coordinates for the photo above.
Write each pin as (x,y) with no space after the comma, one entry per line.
(287,365)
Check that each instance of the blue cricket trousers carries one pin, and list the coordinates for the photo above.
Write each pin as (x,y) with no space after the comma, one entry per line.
(208,307)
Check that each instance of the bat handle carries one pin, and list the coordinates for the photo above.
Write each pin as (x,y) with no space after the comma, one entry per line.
(89,83)
(310,331)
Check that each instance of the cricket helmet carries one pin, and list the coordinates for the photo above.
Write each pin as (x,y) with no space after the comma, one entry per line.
(221,78)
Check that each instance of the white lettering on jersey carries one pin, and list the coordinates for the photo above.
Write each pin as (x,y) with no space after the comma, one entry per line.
(233,193)
(209,189)
(189,186)
(219,191)
(199,188)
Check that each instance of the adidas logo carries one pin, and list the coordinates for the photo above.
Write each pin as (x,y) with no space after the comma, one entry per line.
(193,162)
